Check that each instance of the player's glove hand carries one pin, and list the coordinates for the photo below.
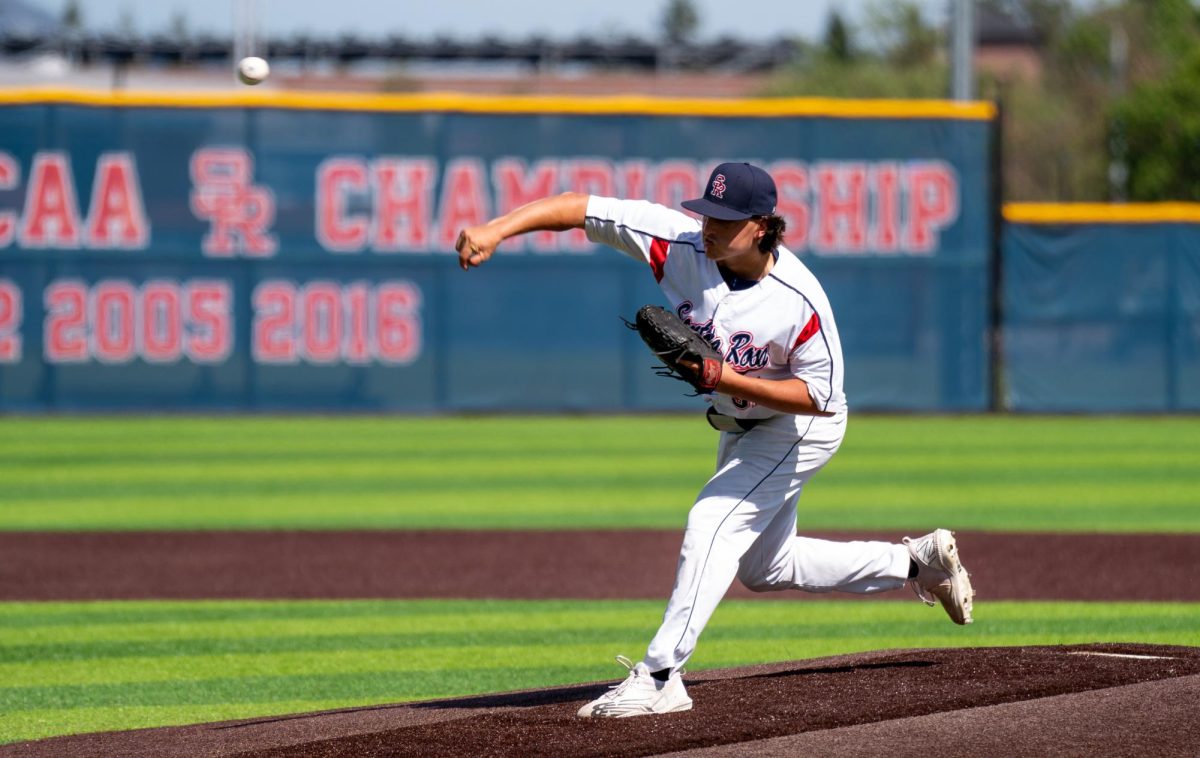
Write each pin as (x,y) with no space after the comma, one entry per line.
(686,355)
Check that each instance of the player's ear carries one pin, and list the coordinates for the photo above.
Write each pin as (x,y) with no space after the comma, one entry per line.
(761,222)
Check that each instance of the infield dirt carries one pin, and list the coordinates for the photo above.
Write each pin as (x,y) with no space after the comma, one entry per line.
(532,565)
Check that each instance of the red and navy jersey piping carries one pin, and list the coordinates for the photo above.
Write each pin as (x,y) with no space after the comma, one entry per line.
(821,331)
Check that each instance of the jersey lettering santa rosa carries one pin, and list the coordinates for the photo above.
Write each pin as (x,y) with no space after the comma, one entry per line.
(777,328)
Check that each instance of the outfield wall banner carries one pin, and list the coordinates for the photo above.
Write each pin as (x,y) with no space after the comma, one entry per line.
(295,253)
(1102,308)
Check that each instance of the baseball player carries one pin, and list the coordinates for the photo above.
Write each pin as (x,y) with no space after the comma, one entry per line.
(777,402)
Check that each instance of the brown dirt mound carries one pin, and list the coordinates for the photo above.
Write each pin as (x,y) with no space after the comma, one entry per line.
(532,564)
(1068,700)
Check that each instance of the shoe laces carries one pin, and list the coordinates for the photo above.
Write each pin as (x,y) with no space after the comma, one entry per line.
(628,664)
(922,595)
(619,688)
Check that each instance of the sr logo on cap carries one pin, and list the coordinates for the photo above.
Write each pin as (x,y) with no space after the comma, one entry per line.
(718,186)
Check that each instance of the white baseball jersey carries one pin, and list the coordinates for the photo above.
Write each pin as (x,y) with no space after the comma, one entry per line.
(776,328)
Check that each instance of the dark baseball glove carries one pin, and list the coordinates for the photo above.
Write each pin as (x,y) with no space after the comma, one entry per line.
(686,355)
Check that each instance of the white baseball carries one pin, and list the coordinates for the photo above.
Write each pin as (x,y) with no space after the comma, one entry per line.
(252,69)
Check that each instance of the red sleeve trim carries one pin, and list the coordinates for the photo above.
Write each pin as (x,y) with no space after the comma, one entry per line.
(812,327)
(658,257)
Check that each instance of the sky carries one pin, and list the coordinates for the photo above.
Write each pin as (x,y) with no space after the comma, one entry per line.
(468,19)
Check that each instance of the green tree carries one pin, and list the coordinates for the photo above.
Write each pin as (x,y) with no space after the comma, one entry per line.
(72,17)
(1172,25)
(1160,127)
(680,21)
(902,34)
(838,46)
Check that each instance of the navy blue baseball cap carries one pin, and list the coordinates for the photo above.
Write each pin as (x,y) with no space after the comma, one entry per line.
(736,191)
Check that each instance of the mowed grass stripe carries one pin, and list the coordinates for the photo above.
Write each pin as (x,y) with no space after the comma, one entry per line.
(559,468)
(317,636)
(147,664)
(582,509)
(153,620)
(138,652)
(359,478)
(975,472)
(28,677)
(658,508)
(350,687)
(317,434)
(246,620)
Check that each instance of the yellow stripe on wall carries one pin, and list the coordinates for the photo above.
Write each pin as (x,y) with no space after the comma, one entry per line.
(1101,213)
(456,102)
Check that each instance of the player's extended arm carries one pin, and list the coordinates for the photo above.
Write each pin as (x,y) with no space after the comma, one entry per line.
(556,213)
(787,395)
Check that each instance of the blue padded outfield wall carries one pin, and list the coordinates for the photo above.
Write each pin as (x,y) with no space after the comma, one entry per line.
(1102,308)
(295,252)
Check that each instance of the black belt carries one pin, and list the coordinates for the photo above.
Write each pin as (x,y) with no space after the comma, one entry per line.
(723,423)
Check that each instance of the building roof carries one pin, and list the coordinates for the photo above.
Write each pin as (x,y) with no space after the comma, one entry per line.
(994,27)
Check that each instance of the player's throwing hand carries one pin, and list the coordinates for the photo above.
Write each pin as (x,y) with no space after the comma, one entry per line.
(475,245)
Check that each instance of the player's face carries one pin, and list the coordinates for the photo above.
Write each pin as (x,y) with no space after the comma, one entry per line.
(724,240)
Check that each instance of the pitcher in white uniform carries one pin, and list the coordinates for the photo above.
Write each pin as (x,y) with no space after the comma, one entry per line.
(779,407)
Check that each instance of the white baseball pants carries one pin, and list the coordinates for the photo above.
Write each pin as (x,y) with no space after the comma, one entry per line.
(743,525)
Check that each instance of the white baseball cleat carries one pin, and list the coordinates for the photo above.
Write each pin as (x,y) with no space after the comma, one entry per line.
(639,695)
(941,574)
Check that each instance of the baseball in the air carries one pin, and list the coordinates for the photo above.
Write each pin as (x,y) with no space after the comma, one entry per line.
(252,69)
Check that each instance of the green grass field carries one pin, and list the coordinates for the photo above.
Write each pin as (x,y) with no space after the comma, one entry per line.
(72,667)
(75,667)
(972,473)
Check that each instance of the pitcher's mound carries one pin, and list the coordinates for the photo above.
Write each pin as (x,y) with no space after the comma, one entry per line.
(1113,699)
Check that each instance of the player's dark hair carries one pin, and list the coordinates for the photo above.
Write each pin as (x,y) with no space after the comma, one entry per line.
(776,226)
